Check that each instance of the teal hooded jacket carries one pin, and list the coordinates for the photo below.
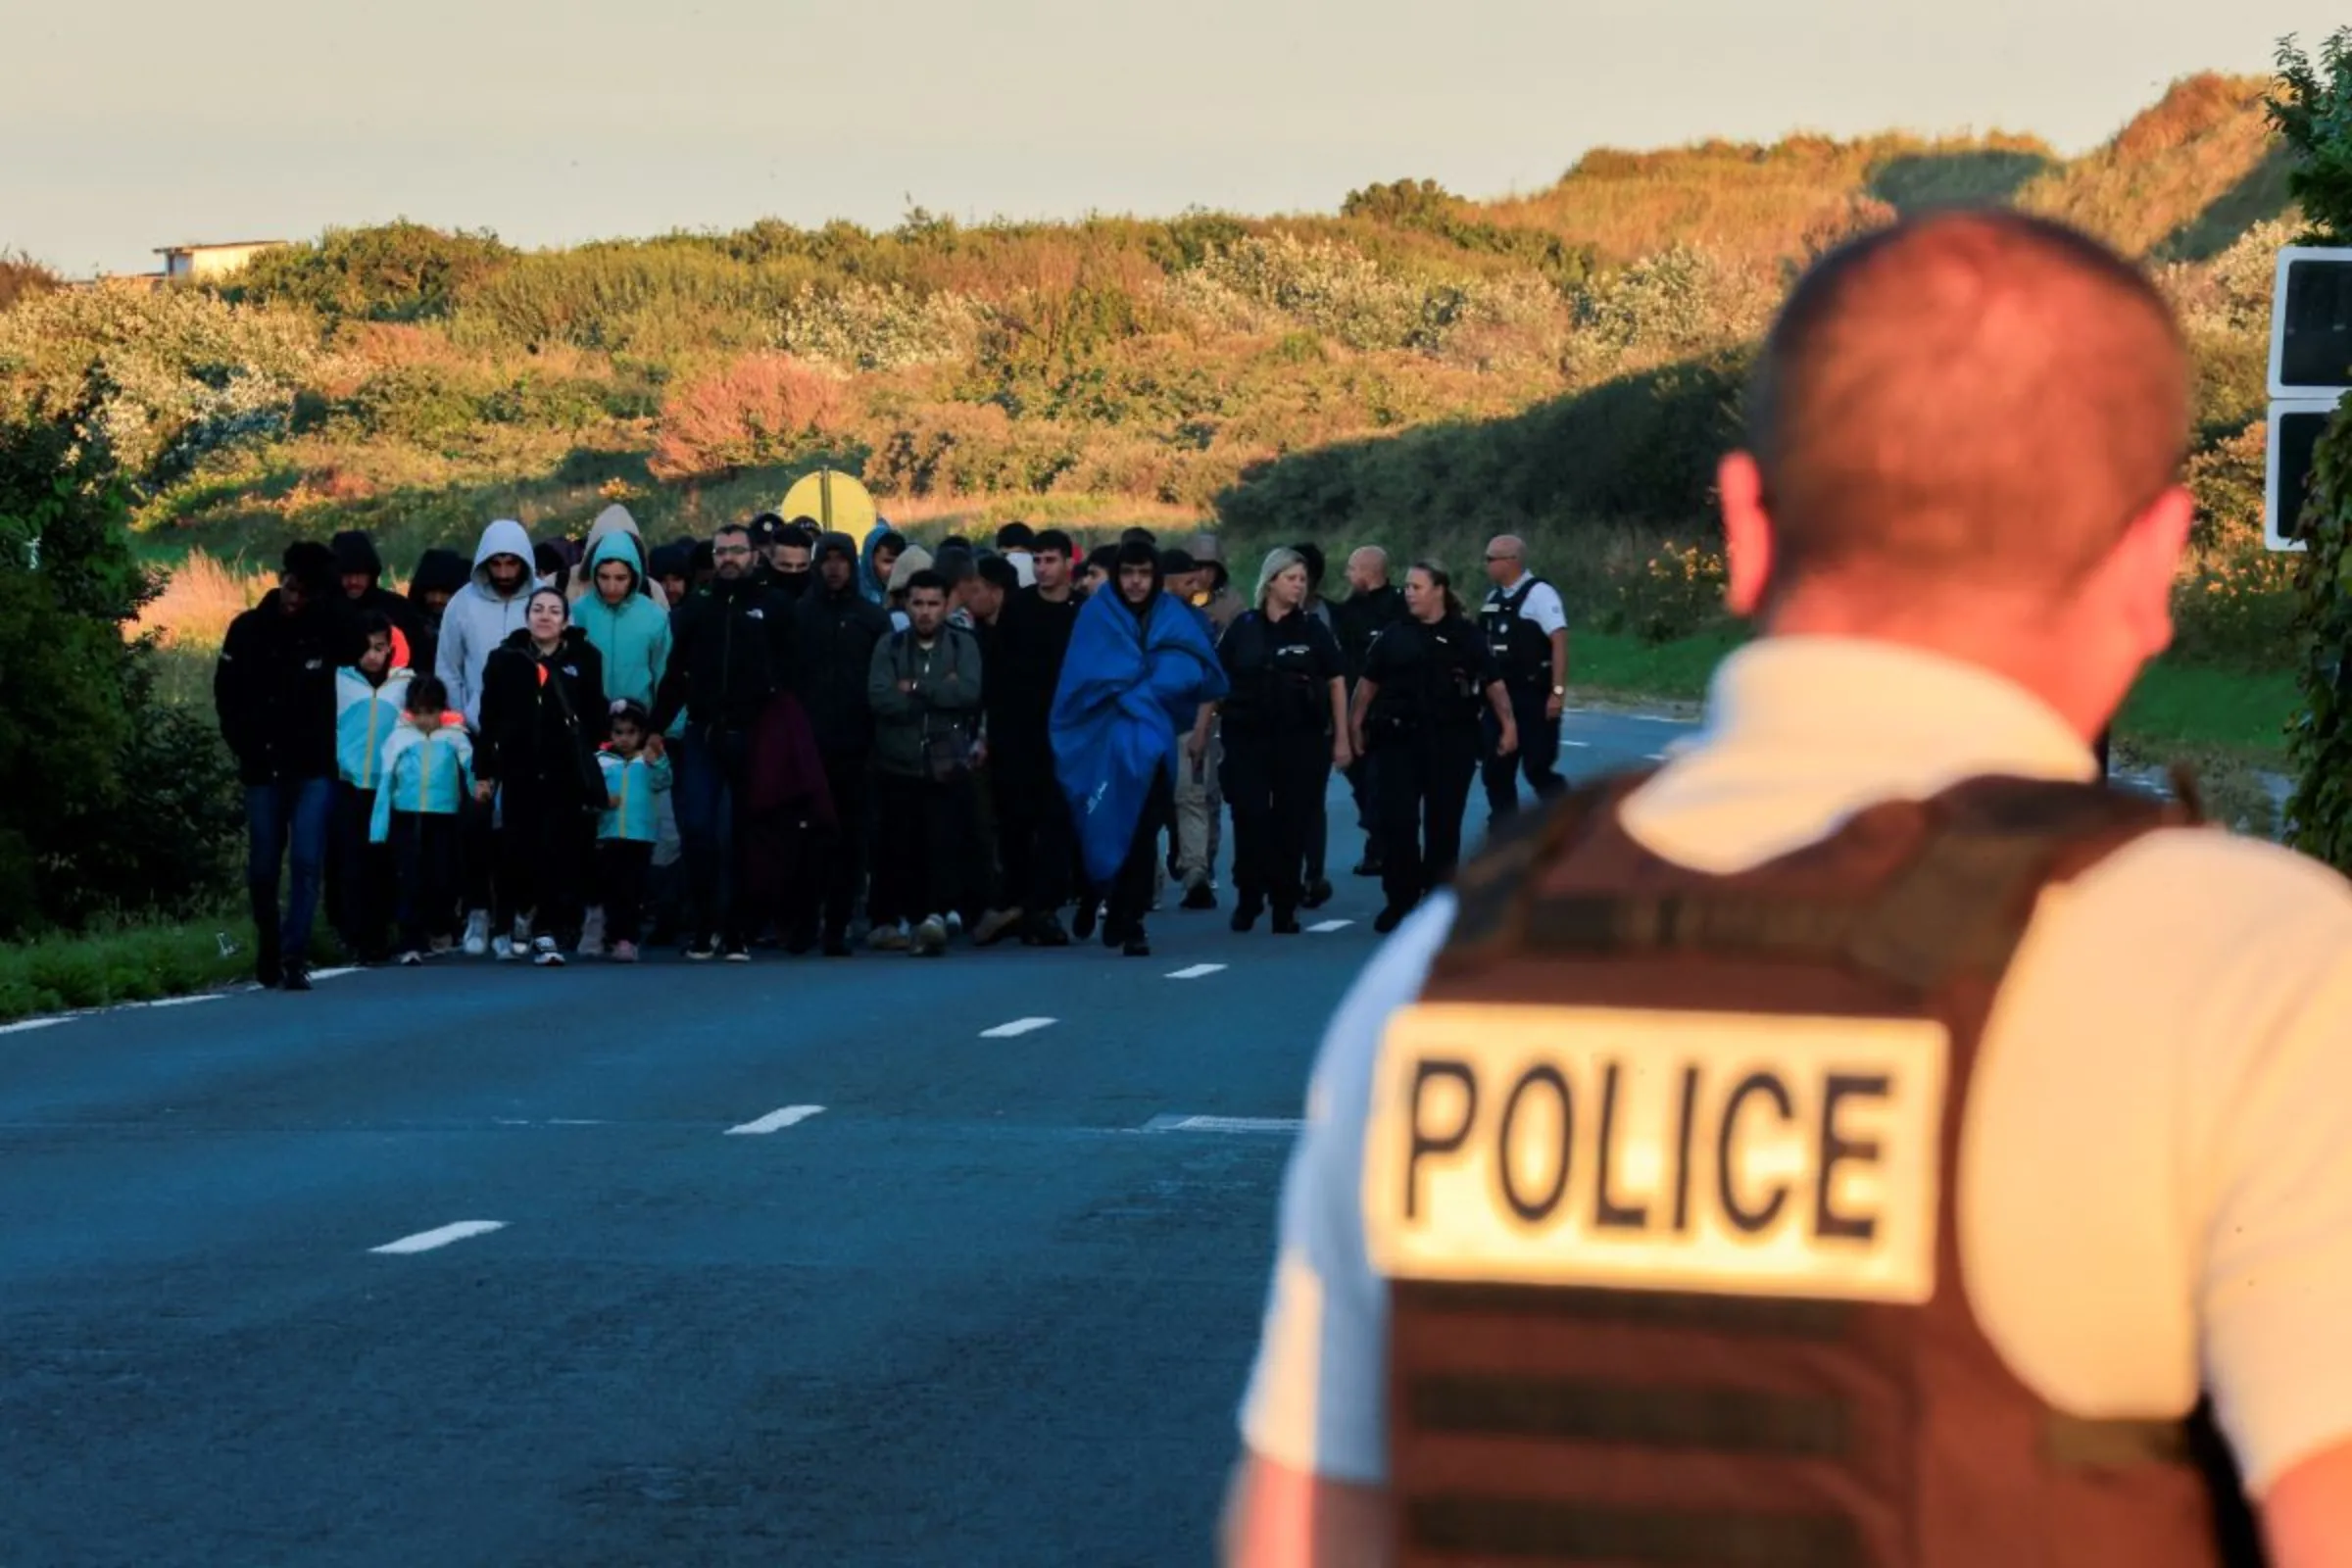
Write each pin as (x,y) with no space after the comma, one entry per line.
(366,716)
(634,781)
(632,636)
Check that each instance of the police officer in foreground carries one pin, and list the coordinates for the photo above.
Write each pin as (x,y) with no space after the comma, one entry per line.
(1866,1140)
(1527,626)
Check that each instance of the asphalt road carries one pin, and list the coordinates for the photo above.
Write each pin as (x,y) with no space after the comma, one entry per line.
(991,1303)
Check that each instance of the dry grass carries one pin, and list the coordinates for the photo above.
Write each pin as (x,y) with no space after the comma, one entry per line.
(2205,148)
(199,601)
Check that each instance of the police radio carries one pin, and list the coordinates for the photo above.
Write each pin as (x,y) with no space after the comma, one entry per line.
(2311,368)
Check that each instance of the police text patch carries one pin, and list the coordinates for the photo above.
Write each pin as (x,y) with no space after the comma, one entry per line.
(1702,1152)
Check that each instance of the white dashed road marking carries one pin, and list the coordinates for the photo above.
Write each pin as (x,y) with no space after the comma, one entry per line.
(1581,746)
(30,1023)
(334,974)
(775,1120)
(1178,1124)
(1196,971)
(427,1241)
(1019,1026)
(1331,925)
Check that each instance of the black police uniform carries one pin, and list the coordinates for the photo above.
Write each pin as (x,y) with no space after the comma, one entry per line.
(1523,652)
(1423,735)
(1277,728)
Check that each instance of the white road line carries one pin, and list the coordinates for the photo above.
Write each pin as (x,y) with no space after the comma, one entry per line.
(1331,925)
(1581,746)
(1653,756)
(775,1120)
(1196,971)
(19,1027)
(185,1002)
(1223,1124)
(335,974)
(427,1241)
(1019,1026)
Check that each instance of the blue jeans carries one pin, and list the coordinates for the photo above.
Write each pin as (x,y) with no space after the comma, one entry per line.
(713,773)
(291,814)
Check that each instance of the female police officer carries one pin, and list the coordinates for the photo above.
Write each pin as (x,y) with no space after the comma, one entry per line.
(1416,717)
(1284,728)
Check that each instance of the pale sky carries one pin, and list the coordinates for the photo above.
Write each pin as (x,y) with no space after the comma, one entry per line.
(133,123)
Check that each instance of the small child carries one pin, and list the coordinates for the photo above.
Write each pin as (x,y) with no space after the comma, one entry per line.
(636,769)
(427,775)
(370,699)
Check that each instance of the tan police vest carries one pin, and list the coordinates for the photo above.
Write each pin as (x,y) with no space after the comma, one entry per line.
(1662,1173)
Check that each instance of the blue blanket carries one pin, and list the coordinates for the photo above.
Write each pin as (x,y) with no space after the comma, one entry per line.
(1129,691)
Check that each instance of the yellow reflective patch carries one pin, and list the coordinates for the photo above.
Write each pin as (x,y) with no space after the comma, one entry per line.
(1706,1151)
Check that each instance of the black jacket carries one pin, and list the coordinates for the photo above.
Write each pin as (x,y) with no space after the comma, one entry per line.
(1361,618)
(833,648)
(275,688)
(355,553)
(539,736)
(1025,655)
(730,651)
(1281,671)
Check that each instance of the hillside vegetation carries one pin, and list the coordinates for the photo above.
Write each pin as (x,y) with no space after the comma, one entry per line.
(1415,367)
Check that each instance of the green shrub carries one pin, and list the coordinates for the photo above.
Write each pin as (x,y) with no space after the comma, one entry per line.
(425,404)
(1676,593)
(399,271)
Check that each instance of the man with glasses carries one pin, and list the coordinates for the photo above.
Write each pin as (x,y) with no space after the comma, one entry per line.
(731,652)
(1527,626)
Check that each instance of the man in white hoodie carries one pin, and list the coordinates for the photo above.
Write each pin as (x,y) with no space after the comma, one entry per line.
(481,616)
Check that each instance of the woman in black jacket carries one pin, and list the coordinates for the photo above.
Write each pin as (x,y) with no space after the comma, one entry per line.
(543,717)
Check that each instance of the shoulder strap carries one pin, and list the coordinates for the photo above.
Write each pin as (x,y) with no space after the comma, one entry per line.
(1958,905)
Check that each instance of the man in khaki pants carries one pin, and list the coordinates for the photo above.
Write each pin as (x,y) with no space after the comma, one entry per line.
(1198,800)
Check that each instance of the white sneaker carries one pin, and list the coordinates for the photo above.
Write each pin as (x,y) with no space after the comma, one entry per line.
(546,954)
(542,945)
(504,950)
(592,934)
(930,938)
(411,958)
(477,933)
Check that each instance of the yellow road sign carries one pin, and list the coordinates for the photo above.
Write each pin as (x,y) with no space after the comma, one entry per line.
(836,500)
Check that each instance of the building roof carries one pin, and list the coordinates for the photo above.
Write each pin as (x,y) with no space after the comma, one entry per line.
(215,245)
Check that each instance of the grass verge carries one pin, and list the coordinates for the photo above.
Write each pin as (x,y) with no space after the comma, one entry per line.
(2197,709)
(132,962)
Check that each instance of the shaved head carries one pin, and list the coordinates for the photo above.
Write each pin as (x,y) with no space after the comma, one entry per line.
(1976,399)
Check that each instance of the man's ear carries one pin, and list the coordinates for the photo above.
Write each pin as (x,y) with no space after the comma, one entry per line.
(2146,561)
(1746,533)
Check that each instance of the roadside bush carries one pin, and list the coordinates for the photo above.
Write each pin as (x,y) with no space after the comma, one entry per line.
(21,277)
(399,271)
(111,802)
(763,411)
(1676,593)
(160,377)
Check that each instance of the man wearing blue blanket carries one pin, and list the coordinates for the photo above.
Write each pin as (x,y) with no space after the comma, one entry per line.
(1138,668)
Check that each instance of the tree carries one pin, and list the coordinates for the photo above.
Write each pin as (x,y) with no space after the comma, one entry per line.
(2312,109)
(109,801)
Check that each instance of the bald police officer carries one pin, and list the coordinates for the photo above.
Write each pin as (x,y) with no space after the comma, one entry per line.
(1866,1140)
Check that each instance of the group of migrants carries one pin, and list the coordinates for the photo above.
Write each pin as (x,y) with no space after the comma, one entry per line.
(586,749)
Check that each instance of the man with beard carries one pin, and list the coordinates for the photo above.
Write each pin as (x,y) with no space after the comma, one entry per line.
(730,653)
(361,571)
(486,611)
(1138,670)
(835,629)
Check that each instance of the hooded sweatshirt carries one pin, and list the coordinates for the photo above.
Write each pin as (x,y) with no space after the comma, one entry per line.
(367,716)
(614,519)
(833,642)
(428,775)
(481,617)
(633,636)
(635,781)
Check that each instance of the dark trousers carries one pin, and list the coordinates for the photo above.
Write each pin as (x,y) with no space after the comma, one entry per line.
(1131,888)
(285,822)
(621,867)
(1274,784)
(1034,839)
(544,848)
(1420,787)
(425,850)
(923,844)
(358,875)
(830,896)
(478,854)
(1539,753)
(713,793)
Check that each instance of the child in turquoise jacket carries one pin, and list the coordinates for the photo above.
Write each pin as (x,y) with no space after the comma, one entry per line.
(636,769)
(370,695)
(426,777)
